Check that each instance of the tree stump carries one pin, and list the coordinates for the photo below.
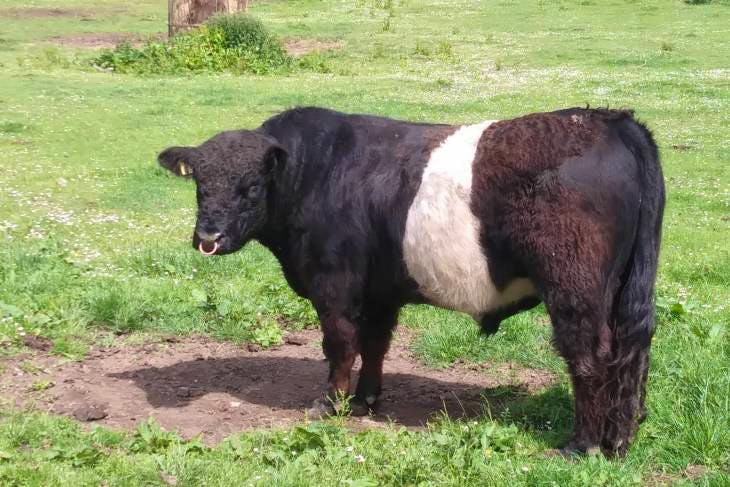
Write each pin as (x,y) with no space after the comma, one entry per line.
(187,14)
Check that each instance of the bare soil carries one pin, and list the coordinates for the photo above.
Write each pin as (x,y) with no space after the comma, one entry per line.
(83,15)
(299,47)
(97,40)
(109,40)
(200,387)
(661,479)
(37,12)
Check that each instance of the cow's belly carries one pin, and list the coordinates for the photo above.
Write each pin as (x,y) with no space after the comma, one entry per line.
(441,245)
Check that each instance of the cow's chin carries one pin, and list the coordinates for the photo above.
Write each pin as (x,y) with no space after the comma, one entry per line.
(225,245)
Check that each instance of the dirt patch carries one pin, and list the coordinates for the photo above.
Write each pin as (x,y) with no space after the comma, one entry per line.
(98,40)
(299,47)
(32,13)
(661,479)
(37,343)
(197,386)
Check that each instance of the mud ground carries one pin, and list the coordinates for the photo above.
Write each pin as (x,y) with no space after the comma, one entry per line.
(201,387)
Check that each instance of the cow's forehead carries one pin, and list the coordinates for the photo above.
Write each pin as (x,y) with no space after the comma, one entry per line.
(237,140)
(232,153)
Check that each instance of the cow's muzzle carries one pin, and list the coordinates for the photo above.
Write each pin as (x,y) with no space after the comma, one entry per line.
(209,243)
(208,248)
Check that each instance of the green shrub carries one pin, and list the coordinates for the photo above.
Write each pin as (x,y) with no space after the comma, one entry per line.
(227,43)
(244,32)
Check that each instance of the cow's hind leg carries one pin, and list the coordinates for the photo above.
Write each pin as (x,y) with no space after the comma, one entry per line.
(642,387)
(575,261)
(375,333)
(627,397)
(632,322)
(608,365)
(628,372)
(582,337)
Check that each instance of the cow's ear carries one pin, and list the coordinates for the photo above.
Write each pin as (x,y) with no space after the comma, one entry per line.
(275,158)
(177,160)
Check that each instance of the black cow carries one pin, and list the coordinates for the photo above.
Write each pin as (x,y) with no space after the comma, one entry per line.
(367,214)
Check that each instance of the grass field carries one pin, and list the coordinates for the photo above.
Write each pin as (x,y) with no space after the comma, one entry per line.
(95,237)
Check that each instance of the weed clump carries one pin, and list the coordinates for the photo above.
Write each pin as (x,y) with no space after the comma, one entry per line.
(226,43)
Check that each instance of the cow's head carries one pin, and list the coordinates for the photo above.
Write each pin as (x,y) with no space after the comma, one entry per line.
(232,172)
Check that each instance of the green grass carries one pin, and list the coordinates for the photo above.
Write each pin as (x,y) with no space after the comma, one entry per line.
(95,238)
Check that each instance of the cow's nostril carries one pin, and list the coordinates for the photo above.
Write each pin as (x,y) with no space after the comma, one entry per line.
(210,236)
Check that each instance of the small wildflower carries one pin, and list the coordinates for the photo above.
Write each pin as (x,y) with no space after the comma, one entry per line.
(359,459)
(525,468)
(349,449)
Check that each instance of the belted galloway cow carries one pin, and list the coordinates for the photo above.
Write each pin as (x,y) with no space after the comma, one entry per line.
(366,214)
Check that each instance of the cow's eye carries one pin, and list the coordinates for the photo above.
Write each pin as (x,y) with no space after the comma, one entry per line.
(253,191)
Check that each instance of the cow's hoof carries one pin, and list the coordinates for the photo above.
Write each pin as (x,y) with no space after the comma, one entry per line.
(617,438)
(321,408)
(554,452)
(360,407)
(614,448)
(572,451)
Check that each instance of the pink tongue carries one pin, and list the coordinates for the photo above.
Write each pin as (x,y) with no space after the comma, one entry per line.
(208,248)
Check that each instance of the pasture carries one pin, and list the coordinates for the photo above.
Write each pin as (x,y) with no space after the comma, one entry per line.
(114,333)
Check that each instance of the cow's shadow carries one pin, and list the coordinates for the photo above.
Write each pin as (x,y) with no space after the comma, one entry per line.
(289,383)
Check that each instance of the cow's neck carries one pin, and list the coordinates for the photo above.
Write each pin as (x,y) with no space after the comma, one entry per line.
(280,234)
(283,199)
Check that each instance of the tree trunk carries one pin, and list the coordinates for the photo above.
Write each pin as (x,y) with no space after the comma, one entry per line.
(185,14)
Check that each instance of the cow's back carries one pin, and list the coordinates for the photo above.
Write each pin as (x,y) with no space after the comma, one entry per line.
(426,204)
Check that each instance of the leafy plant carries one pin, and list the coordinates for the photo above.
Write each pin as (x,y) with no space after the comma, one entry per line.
(78,456)
(10,310)
(41,385)
(674,308)
(466,444)
(301,439)
(267,333)
(151,438)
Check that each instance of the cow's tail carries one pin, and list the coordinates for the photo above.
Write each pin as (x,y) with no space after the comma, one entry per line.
(633,311)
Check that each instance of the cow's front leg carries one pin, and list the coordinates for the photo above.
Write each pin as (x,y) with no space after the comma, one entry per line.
(340,345)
